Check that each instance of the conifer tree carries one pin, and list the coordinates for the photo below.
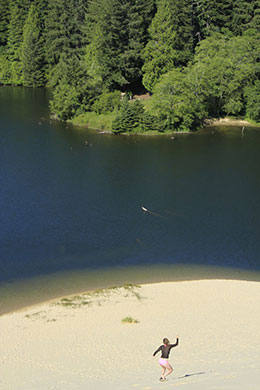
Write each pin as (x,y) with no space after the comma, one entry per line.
(64,34)
(171,42)
(32,51)
(213,16)
(18,14)
(149,122)
(42,8)
(137,109)
(140,14)
(255,22)
(125,120)
(116,125)
(65,46)
(4,21)
(242,15)
(107,36)
(117,34)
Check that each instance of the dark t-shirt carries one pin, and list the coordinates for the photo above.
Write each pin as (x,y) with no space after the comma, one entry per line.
(165,349)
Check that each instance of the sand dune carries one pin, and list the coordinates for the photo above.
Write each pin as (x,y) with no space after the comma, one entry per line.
(81,343)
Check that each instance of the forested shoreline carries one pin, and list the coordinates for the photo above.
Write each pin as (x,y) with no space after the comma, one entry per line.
(197,59)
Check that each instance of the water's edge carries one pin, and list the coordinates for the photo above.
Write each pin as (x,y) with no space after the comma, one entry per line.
(29,292)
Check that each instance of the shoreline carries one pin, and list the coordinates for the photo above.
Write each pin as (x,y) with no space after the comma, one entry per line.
(83,343)
(208,123)
(227,121)
(22,294)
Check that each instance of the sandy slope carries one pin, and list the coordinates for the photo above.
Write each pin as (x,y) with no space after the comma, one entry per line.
(81,343)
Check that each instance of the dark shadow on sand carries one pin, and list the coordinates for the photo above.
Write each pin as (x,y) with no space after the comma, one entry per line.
(188,375)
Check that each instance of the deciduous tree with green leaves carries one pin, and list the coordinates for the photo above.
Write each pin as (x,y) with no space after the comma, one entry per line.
(252,96)
(176,103)
(75,88)
(107,102)
(223,67)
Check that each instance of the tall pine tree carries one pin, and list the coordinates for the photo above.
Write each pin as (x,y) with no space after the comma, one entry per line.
(242,15)
(4,21)
(107,37)
(213,16)
(140,14)
(65,52)
(32,51)
(171,40)
(64,35)
(255,23)
(117,34)
(18,14)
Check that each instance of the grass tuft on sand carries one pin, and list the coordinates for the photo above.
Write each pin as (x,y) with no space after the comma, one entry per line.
(130,320)
(100,296)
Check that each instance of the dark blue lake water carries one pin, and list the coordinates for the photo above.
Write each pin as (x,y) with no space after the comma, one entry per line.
(68,206)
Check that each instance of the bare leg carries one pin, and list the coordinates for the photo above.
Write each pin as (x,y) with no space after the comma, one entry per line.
(163,371)
(169,368)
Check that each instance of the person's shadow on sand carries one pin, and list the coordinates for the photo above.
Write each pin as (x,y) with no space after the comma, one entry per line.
(188,375)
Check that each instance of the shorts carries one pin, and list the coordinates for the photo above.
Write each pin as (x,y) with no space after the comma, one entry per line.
(163,362)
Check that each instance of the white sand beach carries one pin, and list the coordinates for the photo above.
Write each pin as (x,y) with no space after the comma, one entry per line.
(81,343)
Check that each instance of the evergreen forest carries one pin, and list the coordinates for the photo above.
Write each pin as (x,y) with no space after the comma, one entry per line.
(196,59)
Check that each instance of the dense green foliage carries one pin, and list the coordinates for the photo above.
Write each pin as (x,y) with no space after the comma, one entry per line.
(132,117)
(4,21)
(107,102)
(117,35)
(221,80)
(197,59)
(32,51)
(175,102)
(65,37)
(18,15)
(171,40)
(224,68)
